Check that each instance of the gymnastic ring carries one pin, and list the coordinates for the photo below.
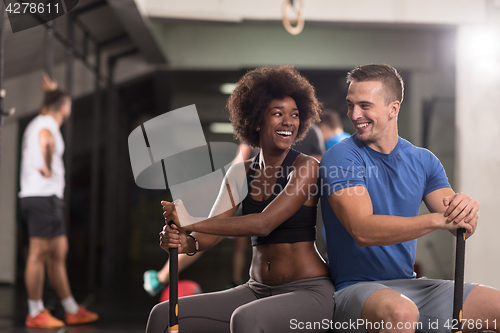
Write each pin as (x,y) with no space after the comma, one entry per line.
(300,16)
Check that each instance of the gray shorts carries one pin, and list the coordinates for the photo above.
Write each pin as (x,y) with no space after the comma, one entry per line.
(433,298)
(45,216)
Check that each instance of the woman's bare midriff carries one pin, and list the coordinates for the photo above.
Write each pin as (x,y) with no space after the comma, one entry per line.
(277,264)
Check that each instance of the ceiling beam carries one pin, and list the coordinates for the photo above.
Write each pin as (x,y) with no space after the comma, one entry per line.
(138,29)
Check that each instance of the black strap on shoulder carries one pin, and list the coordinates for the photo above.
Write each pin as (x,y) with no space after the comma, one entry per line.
(285,170)
(286,167)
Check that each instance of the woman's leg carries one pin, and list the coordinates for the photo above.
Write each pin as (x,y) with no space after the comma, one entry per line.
(203,313)
(302,305)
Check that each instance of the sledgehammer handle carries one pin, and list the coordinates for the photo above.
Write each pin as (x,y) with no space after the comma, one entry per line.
(458,297)
(173,318)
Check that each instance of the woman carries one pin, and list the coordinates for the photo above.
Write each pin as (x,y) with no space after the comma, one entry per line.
(289,286)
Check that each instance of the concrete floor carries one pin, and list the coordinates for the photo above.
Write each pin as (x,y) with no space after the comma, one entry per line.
(123,308)
(119,312)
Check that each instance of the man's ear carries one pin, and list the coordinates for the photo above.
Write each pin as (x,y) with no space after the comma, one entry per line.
(394,109)
(62,108)
(65,109)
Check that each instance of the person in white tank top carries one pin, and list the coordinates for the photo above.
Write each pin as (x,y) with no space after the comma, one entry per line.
(41,194)
(42,168)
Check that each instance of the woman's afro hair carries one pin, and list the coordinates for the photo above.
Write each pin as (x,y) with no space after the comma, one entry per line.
(258,88)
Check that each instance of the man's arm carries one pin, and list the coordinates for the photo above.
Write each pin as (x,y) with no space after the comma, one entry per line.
(48,84)
(353,207)
(455,206)
(47,146)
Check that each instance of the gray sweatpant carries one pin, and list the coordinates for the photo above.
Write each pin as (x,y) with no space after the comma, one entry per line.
(253,307)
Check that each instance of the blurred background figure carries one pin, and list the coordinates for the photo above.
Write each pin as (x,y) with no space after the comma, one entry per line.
(332,128)
(42,191)
(313,144)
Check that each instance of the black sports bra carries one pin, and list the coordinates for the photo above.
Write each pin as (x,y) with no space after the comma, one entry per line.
(301,227)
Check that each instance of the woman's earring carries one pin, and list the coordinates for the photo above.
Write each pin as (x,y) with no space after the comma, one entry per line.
(258,128)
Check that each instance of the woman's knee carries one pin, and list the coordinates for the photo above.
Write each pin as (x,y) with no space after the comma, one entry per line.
(158,318)
(244,320)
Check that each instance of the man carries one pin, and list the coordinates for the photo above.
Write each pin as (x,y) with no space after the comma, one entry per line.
(42,188)
(332,129)
(374,183)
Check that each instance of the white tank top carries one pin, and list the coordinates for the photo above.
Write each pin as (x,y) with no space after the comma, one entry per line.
(33,184)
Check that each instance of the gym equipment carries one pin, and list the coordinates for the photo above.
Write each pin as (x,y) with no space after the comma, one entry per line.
(173,317)
(458,295)
(185,288)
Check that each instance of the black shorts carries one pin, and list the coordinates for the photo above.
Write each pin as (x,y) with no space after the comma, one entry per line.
(45,216)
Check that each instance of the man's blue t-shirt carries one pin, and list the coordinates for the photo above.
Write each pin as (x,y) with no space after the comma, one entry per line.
(397,184)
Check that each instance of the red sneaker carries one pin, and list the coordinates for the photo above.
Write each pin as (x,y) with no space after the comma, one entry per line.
(81,317)
(43,320)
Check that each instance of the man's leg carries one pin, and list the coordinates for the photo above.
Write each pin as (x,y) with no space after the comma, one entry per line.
(56,269)
(155,282)
(363,306)
(34,274)
(482,309)
(389,306)
(56,266)
(163,274)
(34,277)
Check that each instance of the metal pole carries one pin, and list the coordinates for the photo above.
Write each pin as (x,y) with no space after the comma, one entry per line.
(96,161)
(68,127)
(111,222)
(109,248)
(2,91)
(49,50)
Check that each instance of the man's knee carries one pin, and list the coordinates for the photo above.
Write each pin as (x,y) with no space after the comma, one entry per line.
(59,248)
(396,311)
(404,317)
(57,256)
(401,311)
(482,308)
(39,253)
